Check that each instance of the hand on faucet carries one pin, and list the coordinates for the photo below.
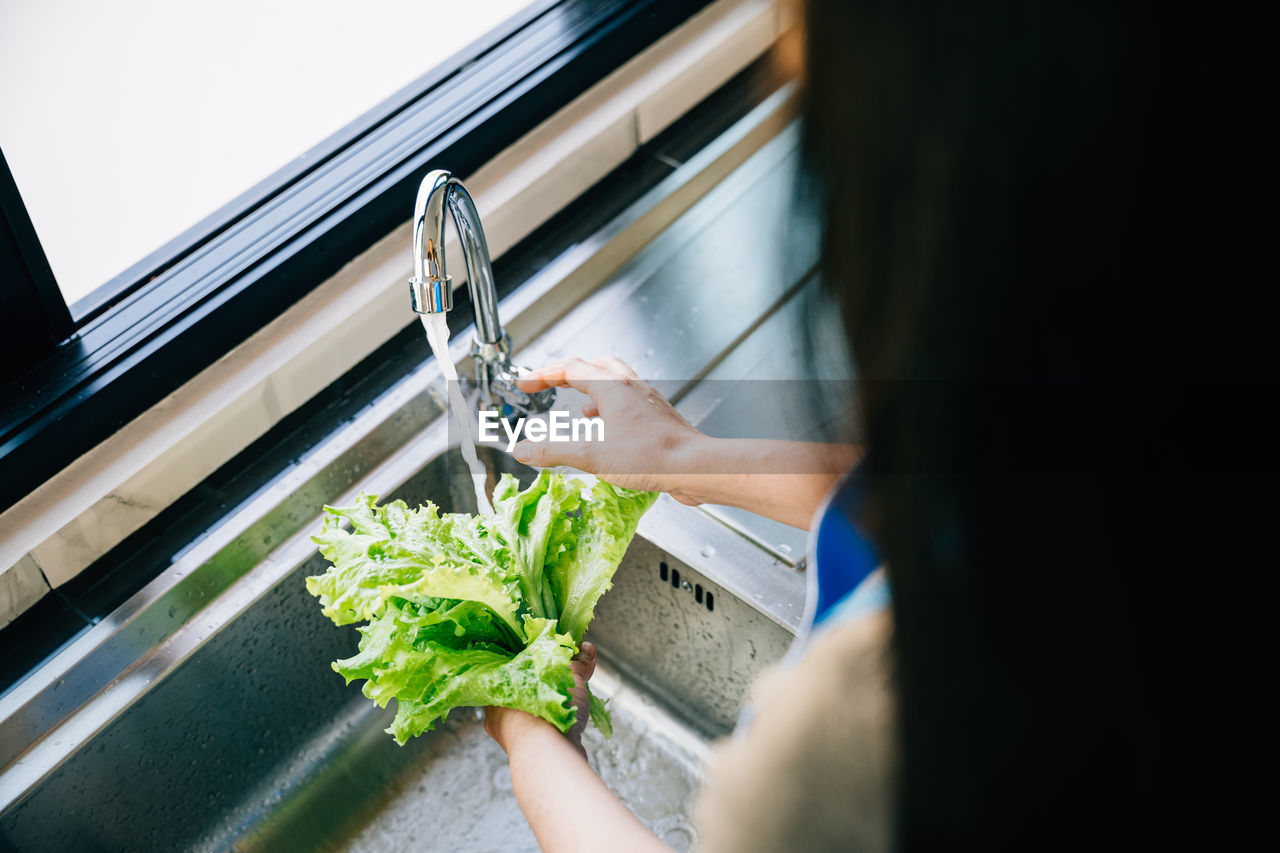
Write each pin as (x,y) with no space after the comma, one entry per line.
(650,446)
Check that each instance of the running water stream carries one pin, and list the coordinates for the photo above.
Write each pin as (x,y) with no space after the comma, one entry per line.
(437,327)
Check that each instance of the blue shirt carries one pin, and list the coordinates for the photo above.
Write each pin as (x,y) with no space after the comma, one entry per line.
(845,580)
(844,577)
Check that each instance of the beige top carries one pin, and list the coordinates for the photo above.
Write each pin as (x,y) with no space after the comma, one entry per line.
(813,770)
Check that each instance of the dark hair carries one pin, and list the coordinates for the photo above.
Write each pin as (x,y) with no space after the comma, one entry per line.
(1034,215)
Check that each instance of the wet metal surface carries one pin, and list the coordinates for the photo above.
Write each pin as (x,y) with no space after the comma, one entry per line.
(254,743)
(717,296)
(204,714)
(697,660)
(460,773)
(790,358)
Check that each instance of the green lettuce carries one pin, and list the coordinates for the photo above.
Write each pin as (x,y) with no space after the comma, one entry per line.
(465,610)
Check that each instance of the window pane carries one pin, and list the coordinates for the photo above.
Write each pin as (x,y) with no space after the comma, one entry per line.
(127,123)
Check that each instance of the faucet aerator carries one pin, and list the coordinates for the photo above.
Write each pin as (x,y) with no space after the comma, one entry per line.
(434,296)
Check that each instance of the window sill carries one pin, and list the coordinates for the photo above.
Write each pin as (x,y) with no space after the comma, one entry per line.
(78,515)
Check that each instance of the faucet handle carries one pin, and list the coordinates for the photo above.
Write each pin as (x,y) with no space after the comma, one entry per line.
(523,401)
(496,377)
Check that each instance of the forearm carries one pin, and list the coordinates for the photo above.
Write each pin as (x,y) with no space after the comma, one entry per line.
(783,480)
(565,802)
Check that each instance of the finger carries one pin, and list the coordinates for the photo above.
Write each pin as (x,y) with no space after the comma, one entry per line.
(590,379)
(554,374)
(547,454)
(584,662)
(590,409)
(616,365)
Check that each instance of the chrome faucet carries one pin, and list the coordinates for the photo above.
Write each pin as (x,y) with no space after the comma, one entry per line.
(431,291)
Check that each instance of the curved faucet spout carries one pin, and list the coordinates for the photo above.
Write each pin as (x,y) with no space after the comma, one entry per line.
(430,288)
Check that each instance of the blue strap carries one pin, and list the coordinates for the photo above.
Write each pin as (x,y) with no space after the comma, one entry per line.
(845,581)
(842,557)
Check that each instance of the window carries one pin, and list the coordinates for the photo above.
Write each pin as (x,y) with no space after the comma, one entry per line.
(126,124)
(224,256)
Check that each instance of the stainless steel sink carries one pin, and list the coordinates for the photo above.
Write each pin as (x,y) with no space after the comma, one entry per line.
(254,743)
(203,714)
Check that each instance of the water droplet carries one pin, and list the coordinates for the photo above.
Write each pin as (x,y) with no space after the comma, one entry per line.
(708,551)
(784,548)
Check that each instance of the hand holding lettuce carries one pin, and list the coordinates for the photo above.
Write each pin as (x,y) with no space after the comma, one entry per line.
(470,610)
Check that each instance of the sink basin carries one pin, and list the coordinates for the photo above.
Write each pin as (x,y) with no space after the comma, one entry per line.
(203,714)
(253,742)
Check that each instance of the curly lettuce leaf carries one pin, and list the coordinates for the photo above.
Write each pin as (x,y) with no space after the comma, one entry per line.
(599,711)
(467,610)
(429,675)
(531,521)
(403,624)
(418,555)
(589,553)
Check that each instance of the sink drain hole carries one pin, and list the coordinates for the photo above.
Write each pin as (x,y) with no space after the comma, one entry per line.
(672,576)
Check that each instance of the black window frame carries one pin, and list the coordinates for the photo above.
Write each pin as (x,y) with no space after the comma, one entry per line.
(76,375)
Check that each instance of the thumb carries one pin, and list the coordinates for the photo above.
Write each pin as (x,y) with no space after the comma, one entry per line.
(545,454)
(584,662)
